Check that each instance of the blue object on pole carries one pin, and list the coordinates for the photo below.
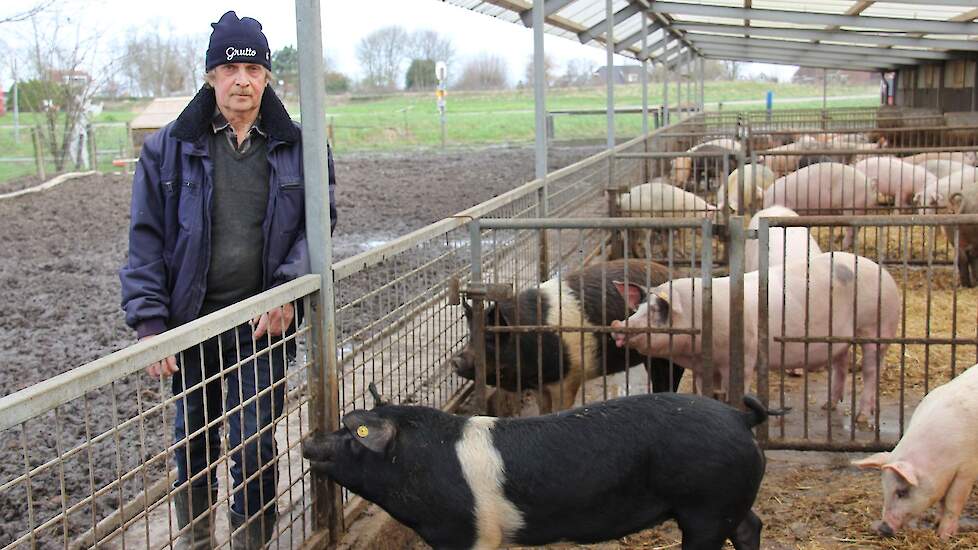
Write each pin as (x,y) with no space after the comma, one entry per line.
(769,100)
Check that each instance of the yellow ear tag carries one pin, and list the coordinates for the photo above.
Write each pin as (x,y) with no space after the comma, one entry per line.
(663,296)
(362,431)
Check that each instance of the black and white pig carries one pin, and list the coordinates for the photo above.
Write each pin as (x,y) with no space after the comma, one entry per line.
(586,297)
(586,475)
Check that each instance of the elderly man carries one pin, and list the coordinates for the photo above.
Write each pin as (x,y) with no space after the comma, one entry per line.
(217,217)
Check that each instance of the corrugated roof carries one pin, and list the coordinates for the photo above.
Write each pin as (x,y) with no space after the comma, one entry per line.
(850,34)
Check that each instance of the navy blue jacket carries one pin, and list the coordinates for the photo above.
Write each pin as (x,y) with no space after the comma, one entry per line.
(165,277)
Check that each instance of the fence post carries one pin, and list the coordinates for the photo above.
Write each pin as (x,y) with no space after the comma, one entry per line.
(327,504)
(478,335)
(706,335)
(761,368)
(735,253)
(38,152)
(92,148)
(130,149)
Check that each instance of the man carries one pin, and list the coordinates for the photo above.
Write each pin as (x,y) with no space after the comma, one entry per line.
(217,217)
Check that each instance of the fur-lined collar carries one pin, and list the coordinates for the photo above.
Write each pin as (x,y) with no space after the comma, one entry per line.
(195,120)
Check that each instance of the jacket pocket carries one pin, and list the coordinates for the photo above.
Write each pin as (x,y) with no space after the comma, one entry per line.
(189,211)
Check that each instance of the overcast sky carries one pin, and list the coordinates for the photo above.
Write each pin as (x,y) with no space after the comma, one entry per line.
(345,22)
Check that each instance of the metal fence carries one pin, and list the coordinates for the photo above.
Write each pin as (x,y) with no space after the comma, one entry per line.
(97,441)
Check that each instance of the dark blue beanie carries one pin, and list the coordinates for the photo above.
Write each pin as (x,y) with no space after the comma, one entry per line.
(236,40)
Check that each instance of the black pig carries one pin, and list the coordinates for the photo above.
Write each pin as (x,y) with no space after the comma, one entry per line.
(587,475)
(588,298)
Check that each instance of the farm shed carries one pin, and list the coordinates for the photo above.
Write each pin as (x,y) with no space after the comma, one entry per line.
(392,315)
(160,112)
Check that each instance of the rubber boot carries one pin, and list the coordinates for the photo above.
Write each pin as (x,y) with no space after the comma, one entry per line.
(253,535)
(193,504)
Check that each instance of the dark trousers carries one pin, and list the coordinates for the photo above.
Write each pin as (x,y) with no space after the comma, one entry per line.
(204,406)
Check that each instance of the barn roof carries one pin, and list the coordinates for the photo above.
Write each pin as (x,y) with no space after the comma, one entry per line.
(159,113)
(835,34)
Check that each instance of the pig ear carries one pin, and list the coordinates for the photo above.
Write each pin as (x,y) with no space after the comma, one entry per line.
(633,294)
(903,469)
(467,308)
(370,430)
(379,400)
(875,461)
(491,312)
(955,202)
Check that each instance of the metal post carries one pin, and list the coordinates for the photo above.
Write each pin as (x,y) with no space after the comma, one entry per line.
(645,98)
(761,369)
(610,79)
(645,78)
(825,81)
(16,108)
(540,106)
(735,254)
(707,326)
(688,69)
(38,152)
(701,70)
(679,80)
(665,82)
(478,335)
(324,391)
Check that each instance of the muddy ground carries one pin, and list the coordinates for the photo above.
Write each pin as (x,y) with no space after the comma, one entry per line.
(61,249)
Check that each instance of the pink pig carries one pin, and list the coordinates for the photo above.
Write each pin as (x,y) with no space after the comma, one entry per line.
(824,188)
(936,461)
(865,302)
(895,177)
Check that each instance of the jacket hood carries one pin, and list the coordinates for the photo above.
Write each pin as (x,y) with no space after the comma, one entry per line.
(195,120)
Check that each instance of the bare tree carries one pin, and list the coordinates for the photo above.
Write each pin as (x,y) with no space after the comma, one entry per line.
(24,15)
(62,59)
(579,72)
(158,63)
(381,55)
(731,70)
(549,68)
(483,72)
(429,45)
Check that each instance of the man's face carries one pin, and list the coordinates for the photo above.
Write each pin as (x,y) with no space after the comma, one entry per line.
(239,86)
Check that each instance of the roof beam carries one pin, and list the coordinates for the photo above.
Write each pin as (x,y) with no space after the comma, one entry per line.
(881,53)
(750,50)
(860,21)
(636,36)
(789,58)
(817,64)
(928,3)
(647,52)
(834,36)
(597,28)
(550,7)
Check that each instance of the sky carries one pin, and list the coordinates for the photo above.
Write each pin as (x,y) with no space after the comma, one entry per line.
(345,22)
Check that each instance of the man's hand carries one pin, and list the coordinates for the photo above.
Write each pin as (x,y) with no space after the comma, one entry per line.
(162,368)
(275,322)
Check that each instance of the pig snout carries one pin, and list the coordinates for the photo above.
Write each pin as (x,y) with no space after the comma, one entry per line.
(883,529)
(318,448)
(620,338)
(463,363)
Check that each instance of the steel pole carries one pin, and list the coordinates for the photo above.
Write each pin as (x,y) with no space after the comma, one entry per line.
(540,112)
(645,77)
(665,83)
(323,410)
(610,76)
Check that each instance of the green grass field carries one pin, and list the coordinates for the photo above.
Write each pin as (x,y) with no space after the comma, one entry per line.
(410,120)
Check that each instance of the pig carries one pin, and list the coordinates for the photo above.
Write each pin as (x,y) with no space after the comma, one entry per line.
(966,202)
(756,175)
(877,314)
(825,188)
(936,460)
(896,178)
(700,170)
(956,156)
(783,163)
(942,168)
(934,198)
(591,474)
(658,199)
(798,245)
(587,298)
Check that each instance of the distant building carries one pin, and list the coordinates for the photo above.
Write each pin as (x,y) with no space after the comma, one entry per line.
(160,112)
(808,75)
(70,76)
(623,74)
